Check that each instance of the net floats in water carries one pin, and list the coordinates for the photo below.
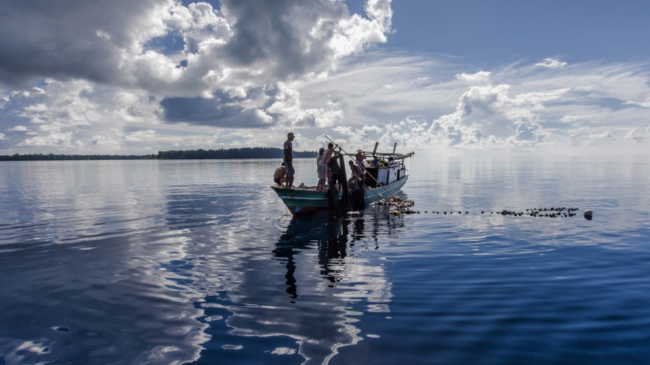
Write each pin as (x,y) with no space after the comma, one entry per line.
(399,206)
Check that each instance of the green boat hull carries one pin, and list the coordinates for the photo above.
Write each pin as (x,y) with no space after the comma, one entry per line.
(307,202)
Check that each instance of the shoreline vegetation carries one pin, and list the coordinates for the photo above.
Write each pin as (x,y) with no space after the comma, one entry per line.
(200,154)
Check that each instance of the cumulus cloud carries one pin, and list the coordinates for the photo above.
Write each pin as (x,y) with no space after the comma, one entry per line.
(116,81)
(104,141)
(523,109)
(638,135)
(551,63)
(53,139)
(486,115)
(232,62)
(287,107)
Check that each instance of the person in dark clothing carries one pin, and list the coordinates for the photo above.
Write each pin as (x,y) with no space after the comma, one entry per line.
(288,159)
(337,174)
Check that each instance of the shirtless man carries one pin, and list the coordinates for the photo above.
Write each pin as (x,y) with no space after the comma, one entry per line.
(278,176)
(357,175)
(333,163)
(322,170)
(327,155)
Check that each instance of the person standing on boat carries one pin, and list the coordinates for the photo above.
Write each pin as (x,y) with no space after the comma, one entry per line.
(327,155)
(357,176)
(333,163)
(360,157)
(322,170)
(288,159)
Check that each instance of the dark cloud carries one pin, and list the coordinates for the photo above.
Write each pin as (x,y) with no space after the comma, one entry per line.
(278,33)
(63,38)
(212,112)
(89,39)
(246,53)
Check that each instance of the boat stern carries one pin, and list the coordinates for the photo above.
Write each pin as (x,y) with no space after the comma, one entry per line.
(303,201)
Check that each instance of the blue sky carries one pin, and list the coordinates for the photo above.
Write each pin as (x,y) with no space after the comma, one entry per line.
(122,76)
(496,32)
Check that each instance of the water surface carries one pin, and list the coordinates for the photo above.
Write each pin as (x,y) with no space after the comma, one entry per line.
(169,262)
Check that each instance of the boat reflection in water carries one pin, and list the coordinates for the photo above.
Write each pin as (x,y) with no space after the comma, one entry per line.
(333,274)
(331,247)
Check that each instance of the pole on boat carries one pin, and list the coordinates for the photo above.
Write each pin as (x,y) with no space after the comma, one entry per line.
(345,199)
(373,151)
(364,169)
(395,147)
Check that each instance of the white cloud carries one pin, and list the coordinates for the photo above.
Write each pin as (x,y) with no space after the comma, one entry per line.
(2,136)
(551,63)
(233,58)
(479,76)
(638,135)
(52,139)
(287,107)
(573,118)
(645,104)
(380,12)
(517,107)
(319,75)
(106,142)
(138,136)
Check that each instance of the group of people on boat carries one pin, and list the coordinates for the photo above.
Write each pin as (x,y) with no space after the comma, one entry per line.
(330,172)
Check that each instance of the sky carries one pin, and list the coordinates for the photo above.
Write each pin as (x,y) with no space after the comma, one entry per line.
(448,77)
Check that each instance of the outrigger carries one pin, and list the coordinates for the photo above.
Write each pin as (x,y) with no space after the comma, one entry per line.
(381,183)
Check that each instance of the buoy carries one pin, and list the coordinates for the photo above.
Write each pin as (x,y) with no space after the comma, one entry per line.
(588,214)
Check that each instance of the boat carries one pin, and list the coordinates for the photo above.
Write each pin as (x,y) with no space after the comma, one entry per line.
(381,183)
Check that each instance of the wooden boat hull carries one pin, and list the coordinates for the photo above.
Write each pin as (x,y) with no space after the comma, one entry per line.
(303,202)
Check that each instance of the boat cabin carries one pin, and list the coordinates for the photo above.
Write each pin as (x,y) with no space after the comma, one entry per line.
(391,168)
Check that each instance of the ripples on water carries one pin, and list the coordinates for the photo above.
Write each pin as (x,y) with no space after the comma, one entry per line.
(164,262)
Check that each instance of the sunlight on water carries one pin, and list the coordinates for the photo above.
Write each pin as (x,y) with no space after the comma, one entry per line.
(169,262)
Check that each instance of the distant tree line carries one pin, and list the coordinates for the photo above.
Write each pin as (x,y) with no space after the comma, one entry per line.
(233,153)
(221,154)
(56,157)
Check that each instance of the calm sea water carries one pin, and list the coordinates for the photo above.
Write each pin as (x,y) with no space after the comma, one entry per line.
(169,262)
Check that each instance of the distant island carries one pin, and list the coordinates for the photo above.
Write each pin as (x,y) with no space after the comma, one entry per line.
(200,154)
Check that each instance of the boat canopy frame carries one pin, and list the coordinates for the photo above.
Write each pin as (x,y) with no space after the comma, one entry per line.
(396,156)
